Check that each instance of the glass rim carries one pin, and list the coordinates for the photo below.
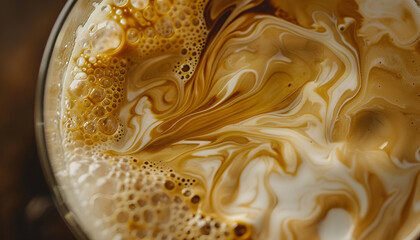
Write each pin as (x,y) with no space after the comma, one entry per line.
(39,121)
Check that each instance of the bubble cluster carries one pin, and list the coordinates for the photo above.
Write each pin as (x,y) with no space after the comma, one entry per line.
(133,200)
(130,32)
(154,27)
(94,95)
(153,207)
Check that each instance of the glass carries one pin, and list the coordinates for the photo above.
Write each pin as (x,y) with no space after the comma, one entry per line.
(47,118)
(47,103)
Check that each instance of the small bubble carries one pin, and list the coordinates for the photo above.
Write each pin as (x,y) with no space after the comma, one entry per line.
(149,32)
(120,3)
(80,61)
(162,6)
(139,4)
(195,21)
(89,70)
(160,198)
(79,88)
(169,185)
(164,27)
(108,125)
(98,72)
(97,95)
(141,233)
(86,103)
(105,82)
(71,124)
(85,43)
(91,79)
(131,197)
(149,13)
(186,192)
(98,111)
(122,217)
(115,60)
(132,35)
(92,59)
(141,202)
(177,200)
(88,52)
(205,230)
(68,104)
(89,127)
(80,76)
(181,16)
(195,199)
(185,68)
(240,230)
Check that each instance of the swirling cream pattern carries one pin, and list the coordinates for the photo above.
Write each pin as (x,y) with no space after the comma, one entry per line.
(301,118)
(283,123)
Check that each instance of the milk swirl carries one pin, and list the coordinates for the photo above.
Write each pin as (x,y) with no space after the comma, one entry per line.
(244,120)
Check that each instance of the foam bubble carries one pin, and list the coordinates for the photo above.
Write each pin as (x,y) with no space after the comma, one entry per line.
(139,4)
(164,27)
(120,3)
(96,95)
(133,35)
(108,37)
(79,88)
(108,125)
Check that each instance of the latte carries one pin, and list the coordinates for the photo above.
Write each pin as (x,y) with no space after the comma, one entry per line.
(214,119)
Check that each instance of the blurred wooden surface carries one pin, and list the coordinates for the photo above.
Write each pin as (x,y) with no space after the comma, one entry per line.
(26,208)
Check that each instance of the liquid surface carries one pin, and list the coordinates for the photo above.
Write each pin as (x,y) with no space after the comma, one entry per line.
(241,119)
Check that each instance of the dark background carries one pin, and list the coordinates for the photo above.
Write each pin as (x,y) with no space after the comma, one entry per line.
(26,207)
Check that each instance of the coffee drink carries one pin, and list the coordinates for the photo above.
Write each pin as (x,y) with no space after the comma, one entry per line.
(240,119)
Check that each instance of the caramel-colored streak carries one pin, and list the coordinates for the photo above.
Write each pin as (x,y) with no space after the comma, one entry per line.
(240,86)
